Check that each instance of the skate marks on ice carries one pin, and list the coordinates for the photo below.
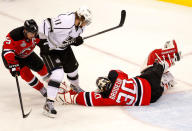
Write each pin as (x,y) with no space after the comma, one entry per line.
(172,111)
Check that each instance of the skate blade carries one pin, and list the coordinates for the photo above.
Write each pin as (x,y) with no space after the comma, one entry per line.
(49,114)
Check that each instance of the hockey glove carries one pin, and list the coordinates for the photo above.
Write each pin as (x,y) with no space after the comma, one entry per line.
(78,41)
(14,70)
(66,95)
(44,47)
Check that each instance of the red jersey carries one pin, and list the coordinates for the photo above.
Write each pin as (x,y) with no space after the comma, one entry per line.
(128,92)
(16,45)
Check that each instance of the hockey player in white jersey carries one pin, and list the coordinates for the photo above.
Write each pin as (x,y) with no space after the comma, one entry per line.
(62,32)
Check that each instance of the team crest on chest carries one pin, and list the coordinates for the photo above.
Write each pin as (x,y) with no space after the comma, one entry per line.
(23,44)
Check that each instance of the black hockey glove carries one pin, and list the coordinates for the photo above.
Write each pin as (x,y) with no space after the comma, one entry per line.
(44,47)
(14,70)
(78,41)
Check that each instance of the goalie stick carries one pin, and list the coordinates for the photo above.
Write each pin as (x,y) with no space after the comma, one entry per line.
(20,99)
(122,21)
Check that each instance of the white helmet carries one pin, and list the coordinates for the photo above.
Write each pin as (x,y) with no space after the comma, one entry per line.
(86,13)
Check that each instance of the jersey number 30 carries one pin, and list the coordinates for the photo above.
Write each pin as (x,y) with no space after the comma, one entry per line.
(128,98)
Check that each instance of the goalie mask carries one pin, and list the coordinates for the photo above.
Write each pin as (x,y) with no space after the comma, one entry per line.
(104,84)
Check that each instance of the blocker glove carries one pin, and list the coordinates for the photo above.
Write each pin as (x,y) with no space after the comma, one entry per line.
(78,41)
(14,69)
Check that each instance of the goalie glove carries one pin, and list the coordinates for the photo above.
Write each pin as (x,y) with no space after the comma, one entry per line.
(66,95)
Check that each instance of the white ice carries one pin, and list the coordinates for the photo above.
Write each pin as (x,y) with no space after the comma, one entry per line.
(148,25)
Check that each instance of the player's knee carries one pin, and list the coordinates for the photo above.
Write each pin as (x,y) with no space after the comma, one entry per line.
(57,75)
(26,74)
(38,66)
(43,71)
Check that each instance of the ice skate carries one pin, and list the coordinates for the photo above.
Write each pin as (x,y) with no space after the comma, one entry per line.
(76,88)
(49,109)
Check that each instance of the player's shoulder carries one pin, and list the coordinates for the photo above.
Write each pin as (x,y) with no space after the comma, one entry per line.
(17,33)
(113,74)
(68,19)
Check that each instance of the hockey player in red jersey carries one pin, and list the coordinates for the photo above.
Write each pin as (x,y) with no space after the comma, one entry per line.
(19,58)
(118,89)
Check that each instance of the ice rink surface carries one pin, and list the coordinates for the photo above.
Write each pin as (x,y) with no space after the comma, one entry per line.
(149,24)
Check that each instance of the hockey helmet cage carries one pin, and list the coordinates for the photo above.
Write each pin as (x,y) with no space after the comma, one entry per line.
(86,13)
(31,26)
(104,84)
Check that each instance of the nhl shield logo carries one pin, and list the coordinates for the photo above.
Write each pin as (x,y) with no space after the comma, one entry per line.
(23,44)
(57,61)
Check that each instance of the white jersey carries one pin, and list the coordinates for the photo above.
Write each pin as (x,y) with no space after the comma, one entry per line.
(60,29)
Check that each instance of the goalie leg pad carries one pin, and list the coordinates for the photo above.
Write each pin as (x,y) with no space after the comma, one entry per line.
(167,81)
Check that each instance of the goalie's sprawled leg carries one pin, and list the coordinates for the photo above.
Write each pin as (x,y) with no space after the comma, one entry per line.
(169,53)
(154,74)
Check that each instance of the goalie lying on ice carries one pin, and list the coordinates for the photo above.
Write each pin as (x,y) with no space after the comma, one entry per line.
(118,89)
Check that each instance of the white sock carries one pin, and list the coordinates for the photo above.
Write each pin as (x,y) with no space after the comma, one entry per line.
(52,92)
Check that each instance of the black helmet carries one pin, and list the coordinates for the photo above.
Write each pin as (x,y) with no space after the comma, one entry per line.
(104,84)
(31,26)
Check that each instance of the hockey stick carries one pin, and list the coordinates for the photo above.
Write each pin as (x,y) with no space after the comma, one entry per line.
(122,21)
(20,99)
(123,16)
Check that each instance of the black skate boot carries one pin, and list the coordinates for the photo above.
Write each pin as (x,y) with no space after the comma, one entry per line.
(49,109)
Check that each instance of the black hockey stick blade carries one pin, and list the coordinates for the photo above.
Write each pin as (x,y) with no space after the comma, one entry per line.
(123,16)
(122,21)
(26,115)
